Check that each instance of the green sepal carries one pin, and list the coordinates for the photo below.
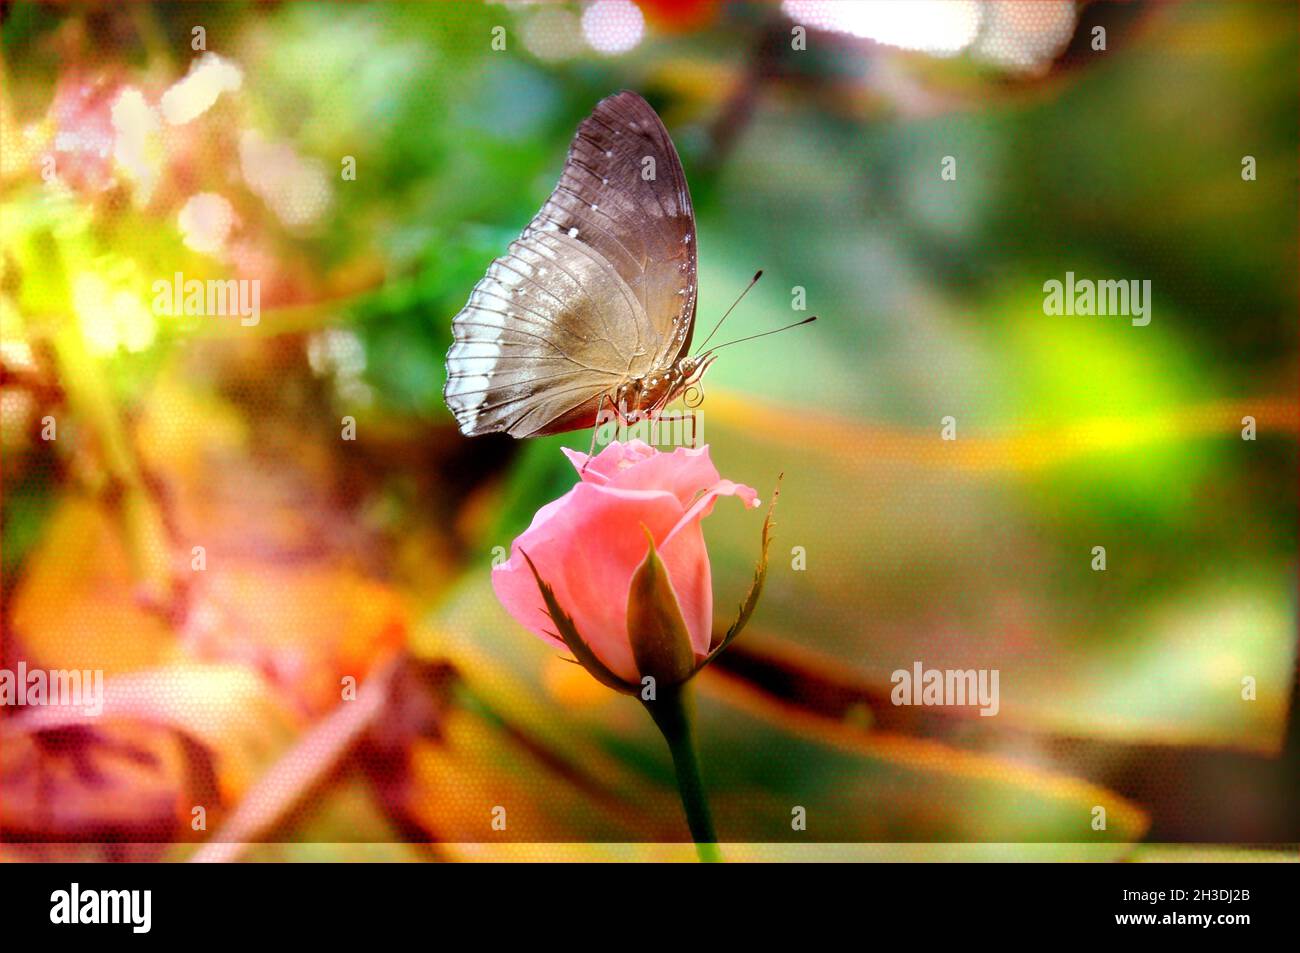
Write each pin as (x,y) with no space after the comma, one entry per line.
(661,643)
(756,587)
(568,633)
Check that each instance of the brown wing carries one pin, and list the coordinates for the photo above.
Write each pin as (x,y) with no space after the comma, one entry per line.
(624,191)
(549,329)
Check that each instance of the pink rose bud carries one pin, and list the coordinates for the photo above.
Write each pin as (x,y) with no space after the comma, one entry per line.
(616,569)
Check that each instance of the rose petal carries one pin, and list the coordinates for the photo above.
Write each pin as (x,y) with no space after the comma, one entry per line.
(586,546)
(703,506)
(687,560)
(615,458)
(685,472)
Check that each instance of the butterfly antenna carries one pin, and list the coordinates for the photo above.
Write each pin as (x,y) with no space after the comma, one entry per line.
(753,281)
(763,334)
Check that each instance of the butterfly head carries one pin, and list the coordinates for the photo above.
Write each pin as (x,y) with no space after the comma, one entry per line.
(690,375)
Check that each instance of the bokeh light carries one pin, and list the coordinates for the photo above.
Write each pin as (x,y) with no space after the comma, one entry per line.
(205,221)
(1024,37)
(613,26)
(553,34)
(191,97)
(938,27)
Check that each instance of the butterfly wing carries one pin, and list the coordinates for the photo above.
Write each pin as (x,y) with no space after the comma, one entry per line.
(546,332)
(599,288)
(624,191)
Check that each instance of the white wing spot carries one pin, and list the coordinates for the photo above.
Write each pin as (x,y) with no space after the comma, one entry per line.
(470,365)
(573,232)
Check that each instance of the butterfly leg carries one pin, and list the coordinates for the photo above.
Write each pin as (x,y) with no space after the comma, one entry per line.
(655,413)
(595,429)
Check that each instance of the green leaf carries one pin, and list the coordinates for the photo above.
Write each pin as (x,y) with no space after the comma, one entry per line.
(756,587)
(568,633)
(661,644)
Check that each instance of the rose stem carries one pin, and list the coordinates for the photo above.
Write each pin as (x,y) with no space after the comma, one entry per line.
(669,714)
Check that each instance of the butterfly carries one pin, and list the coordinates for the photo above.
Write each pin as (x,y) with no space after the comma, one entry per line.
(593,306)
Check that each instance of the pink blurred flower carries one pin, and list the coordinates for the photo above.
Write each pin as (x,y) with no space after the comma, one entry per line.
(588,545)
(82,111)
